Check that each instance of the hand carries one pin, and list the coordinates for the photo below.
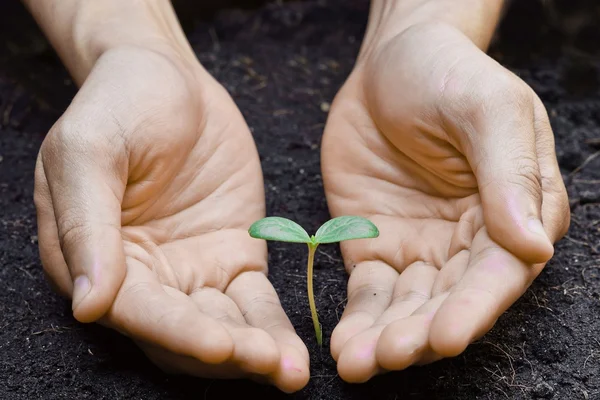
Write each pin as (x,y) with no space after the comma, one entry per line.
(145,189)
(452,157)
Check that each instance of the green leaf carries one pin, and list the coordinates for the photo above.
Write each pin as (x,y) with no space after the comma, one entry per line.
(346,228)
(280,229)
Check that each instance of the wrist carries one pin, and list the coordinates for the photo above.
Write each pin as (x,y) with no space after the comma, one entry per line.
(476,19)
(81,31)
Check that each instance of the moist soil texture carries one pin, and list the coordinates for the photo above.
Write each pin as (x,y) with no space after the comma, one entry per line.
(283,63)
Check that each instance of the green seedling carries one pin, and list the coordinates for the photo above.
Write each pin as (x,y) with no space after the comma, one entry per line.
(333,231)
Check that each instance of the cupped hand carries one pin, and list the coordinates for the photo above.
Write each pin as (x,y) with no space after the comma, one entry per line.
(452,157)
(145,189)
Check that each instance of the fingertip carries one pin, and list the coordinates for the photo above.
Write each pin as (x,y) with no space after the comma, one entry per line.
(255,351)
(515,229)
(543,245)
(217,346)
(452,331)
(93,298)
(293,372)
(99,274)
(88,304)
(401,345)
(357,362)
(451,344)
(346,329)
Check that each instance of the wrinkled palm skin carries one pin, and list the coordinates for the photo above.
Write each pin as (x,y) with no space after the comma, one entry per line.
(148,184)
(416,140)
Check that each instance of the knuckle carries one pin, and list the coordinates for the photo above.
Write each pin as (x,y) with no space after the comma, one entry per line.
(258,301)
(72,231)
(527,177)
(478,95)
(414,296)
(508,96)
(71,138)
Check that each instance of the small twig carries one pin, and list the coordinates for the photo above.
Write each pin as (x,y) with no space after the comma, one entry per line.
(502,391)
(593,142)
(6,115)
(213,35)
(322,290)
(527,360)
(579,242)
(330,257)
(207,389)
(588,357)
(587,181)
(584,164)
(537,302)
(53,329)
(26,272)
(510,361)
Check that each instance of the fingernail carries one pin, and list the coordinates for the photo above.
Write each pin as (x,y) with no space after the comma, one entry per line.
(81,287)
(535,226)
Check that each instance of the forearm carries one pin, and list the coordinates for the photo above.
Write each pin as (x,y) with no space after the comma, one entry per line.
(81,30)
(477,19)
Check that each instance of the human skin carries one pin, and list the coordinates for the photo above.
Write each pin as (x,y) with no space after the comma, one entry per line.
(145,189)
(452,157)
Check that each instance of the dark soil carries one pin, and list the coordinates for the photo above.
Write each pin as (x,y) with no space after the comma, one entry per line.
(280,63)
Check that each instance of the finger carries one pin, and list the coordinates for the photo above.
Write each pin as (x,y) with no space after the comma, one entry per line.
(357,361)
(406,341)
(260,306)
(493,281)
(149,312)
(370,291)
(86,181)
(470,222)
(232,251)
(451,273)
(412,290)
(52,259)
(182,365)
(405,240)
(255,351)
(505,161)
(556,212)
(172,363)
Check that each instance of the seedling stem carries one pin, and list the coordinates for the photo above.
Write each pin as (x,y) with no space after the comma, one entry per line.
(312,248)
(333,231)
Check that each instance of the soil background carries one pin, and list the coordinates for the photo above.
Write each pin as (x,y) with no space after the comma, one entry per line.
(283,63)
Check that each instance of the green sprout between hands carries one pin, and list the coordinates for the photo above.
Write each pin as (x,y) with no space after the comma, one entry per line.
(333,231)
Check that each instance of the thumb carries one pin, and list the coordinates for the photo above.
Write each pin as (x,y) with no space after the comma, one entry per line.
(505,163)
(86,176)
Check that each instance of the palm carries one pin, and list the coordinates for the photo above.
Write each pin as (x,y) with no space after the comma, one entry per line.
(434,280)
(190,258)
(195,296)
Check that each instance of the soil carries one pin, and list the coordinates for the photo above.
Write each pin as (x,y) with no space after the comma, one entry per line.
(283,62)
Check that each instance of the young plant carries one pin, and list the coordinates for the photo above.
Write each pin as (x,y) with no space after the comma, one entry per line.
(332,231)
